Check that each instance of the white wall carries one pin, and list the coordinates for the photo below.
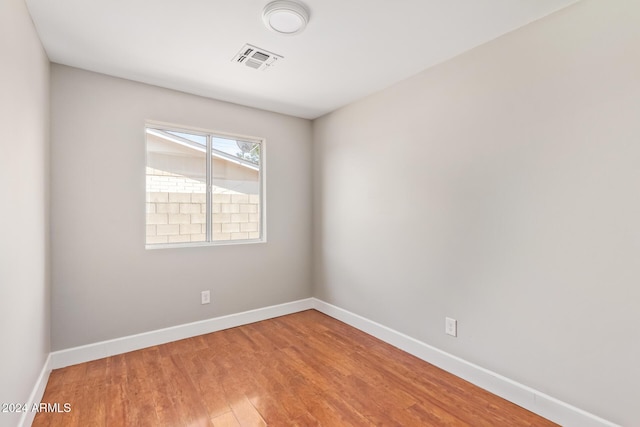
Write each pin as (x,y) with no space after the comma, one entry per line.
(105,284)
(512,205)
(24,201)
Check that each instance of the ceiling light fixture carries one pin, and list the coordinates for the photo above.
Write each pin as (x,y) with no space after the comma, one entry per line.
(285,17)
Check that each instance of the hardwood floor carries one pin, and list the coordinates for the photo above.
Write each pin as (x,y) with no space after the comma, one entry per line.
(304,369)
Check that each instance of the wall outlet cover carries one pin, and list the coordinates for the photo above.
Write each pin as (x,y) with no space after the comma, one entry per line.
(451,326)
(205,297)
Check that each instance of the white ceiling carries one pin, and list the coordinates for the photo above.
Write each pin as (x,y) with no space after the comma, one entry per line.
(350,49)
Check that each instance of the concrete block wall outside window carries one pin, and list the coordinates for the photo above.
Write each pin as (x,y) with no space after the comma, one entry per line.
(175,214)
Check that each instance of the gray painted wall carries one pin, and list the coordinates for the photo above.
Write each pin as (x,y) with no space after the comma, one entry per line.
(500,188)
(24,201)
(105,284)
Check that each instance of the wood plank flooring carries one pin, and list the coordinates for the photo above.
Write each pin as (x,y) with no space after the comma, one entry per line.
(304,369)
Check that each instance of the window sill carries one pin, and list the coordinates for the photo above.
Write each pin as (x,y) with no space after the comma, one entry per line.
(204,244)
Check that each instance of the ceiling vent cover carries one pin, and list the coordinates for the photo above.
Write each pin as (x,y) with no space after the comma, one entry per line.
(256,58)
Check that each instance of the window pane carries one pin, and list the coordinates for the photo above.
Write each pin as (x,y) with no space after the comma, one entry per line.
(176,187)
(235,167)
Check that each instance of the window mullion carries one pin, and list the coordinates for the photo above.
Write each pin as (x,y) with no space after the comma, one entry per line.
(208,210)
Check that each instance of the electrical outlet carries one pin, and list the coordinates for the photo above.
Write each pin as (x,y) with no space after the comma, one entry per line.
(451,326)
(205,297)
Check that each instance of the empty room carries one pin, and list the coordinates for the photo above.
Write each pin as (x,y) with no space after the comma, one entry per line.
(320,212)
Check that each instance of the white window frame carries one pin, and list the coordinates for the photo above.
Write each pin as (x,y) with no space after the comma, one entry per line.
(150,124)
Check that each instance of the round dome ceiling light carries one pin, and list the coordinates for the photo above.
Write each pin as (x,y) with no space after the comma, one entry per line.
(285,17)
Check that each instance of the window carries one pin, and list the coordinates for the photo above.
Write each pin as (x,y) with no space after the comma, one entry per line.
(203,188)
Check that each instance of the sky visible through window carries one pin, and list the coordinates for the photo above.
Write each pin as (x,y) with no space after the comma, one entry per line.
(228,146)
(198,139)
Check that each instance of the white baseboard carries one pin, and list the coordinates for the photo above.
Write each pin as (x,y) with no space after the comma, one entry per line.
(522,395)
(526,397)
(86,353)
(36,394)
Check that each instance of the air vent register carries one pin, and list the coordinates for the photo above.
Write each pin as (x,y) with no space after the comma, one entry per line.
(256,58)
